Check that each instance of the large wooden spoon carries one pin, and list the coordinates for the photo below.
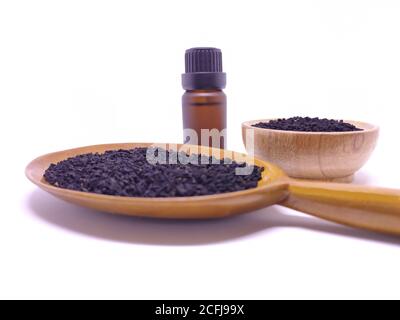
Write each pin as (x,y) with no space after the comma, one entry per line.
(369,208)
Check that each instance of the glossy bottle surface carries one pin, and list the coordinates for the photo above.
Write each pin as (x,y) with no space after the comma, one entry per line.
(205,109)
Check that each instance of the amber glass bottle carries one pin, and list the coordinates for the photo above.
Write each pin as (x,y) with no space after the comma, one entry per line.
(204,102)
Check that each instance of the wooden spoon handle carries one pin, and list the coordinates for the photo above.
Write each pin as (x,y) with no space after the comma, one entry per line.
(369,208)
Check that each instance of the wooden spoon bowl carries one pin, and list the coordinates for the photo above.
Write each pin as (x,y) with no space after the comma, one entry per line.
(368,208)
(325,156)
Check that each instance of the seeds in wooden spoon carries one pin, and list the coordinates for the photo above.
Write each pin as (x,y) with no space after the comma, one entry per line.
(128,173)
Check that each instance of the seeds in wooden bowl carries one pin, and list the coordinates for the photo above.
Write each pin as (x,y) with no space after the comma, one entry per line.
(308,125)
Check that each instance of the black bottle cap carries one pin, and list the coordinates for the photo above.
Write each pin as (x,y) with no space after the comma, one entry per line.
(203,69)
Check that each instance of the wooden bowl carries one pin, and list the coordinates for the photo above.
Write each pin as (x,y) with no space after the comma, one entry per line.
(326,156)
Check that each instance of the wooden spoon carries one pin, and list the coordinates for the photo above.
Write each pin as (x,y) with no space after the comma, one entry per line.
(369,208)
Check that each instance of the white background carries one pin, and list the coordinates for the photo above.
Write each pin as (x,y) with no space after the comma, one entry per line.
(75,73)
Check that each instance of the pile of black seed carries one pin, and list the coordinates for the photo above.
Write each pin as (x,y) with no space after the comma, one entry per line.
(128,173)
(308,125)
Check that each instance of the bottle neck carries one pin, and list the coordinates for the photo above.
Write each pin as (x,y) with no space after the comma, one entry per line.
(204,81)
(204,90)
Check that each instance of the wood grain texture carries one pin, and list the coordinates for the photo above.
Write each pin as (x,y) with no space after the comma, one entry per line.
(375,209)
(362,207)
(213,206)
(317,156)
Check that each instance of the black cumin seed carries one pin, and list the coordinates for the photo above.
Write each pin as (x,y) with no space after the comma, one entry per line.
(308,125)
(128,173)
